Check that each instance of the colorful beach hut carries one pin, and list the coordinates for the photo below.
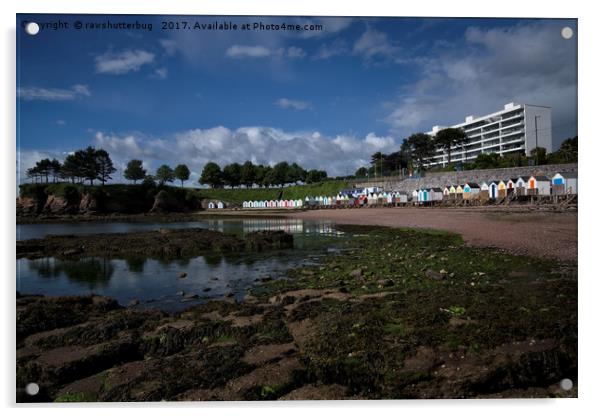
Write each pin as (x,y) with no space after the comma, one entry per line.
(493,190)
(471,190)
(564,183)
(501,189)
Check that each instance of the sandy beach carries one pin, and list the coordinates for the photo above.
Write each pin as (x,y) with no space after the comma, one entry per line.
(542,234)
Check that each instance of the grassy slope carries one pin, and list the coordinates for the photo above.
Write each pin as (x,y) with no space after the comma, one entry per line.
(292,192)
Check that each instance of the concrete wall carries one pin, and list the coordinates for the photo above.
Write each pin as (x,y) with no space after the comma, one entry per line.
(432,180)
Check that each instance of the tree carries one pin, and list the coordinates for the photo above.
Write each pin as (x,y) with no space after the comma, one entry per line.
(539,155)
(88,167)
(361,172)
(269,177)
(259,172)
(296,173)
(247,174)
(71,168)
(134,171)
(281,173)
(104,166)
(182,174)
(232,174)
(449,138)
(55,169)
(44,168)
(314,176)
(567,153)
(421,147)
(164,174)
(212,175)
(487,161)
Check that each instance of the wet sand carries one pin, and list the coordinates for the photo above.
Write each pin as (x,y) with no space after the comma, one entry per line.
(541,234)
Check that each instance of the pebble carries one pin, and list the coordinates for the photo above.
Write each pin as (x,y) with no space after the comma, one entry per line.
(182,275)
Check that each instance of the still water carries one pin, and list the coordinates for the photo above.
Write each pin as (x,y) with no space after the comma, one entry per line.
(155,283)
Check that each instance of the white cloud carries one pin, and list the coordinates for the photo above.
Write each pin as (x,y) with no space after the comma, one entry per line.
(160,73)
(294,52)
(295,104)
(61,122)
(239,51)
(526,63)
(338,155)
(336,48)
(169,45)
(53,94)
(122,62)
(374,44)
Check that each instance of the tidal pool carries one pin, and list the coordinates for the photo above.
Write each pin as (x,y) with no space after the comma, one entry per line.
(155,283)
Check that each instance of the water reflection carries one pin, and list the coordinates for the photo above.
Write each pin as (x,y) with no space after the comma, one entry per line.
(157,282)
(92,273)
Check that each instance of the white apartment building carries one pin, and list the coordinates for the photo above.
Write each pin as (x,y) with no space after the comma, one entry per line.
(517,128)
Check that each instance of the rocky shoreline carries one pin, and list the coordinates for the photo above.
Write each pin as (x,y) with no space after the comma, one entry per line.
(398,314)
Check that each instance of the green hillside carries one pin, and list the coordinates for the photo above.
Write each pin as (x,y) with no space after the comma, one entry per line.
(328,188)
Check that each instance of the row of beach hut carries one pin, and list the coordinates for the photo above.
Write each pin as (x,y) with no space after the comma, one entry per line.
(339,201)
(561,184)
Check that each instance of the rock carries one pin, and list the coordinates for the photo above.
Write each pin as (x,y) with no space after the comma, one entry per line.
(432,274)
(385,283)
(356,273)
(229,295)
(191,296)
(182,275)
(165,202)
(215,278)
(73,251)
(207,289)
(266,278)
(443,271)
(344,290)
(133,302)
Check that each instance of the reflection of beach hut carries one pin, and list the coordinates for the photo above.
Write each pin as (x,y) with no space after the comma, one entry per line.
(564,183)
(501,189)
(435,194)
(471,190)
(493,190)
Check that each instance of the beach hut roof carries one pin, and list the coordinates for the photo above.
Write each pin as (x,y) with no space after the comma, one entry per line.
(472,185)
(541,178)
(568,174)
(436,189)
(512,179)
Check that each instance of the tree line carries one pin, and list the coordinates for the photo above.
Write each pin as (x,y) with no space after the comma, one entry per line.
(90,164)
(248,174)
(418,149)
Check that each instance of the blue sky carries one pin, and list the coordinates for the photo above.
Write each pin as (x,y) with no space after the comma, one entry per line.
(327,99)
